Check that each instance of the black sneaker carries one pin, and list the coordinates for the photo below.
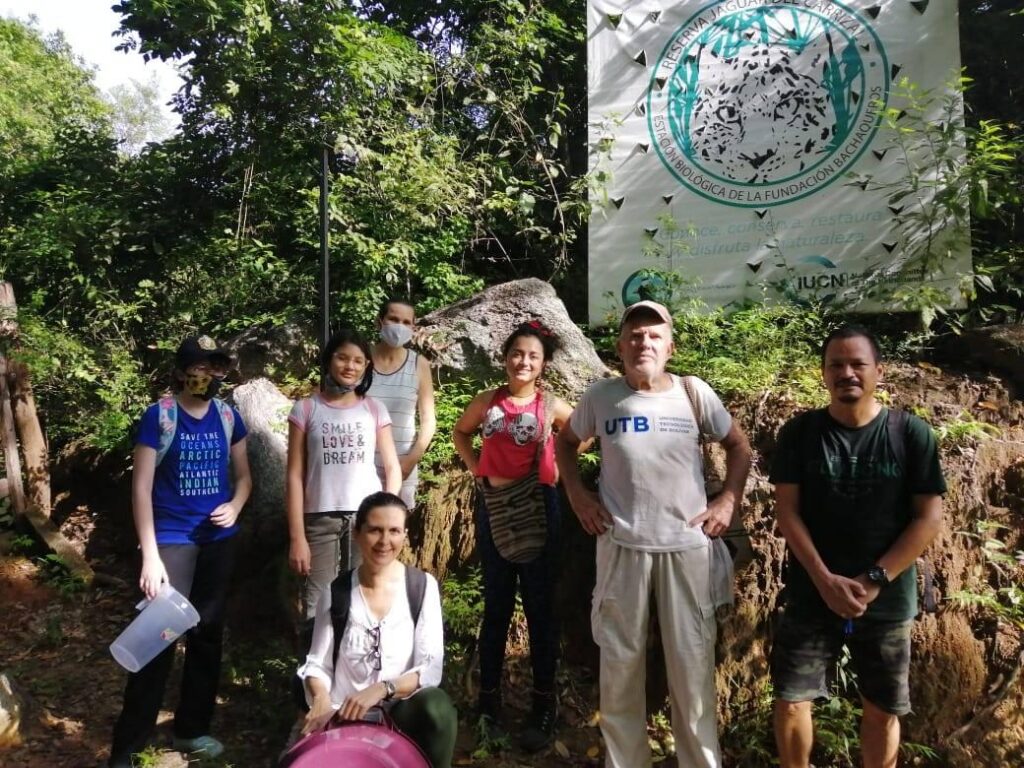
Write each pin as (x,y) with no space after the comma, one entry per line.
(540,729)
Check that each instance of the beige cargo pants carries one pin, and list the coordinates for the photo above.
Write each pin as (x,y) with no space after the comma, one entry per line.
(619,618)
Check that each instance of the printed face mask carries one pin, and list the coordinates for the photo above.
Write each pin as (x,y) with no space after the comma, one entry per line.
(202,385)
(395,334)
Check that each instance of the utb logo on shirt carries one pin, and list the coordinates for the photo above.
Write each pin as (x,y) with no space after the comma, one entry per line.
(627,424)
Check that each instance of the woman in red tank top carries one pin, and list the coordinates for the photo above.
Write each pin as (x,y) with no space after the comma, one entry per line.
(515,421)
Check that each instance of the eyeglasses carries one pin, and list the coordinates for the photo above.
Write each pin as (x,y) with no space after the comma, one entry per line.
(374,633)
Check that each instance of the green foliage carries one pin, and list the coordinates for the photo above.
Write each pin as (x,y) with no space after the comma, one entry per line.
(22,544)
(488,743)
(6,513)
(45,91)
(748,741)
(55,572)
(462,599)
(964,431)
(952,171)
(1001,594)
(137,116)
(450,399)
(752,349)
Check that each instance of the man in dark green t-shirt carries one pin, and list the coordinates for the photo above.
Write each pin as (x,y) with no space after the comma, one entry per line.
(858,499)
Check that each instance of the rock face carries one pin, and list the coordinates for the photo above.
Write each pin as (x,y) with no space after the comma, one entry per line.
(285,349)
(10,714)
(998,348)
(467,336)
(265,412)
(266,590)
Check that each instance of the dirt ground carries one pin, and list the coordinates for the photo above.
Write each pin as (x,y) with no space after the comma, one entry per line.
(54,644)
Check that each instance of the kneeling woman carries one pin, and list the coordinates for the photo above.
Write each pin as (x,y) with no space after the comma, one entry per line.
(385,655)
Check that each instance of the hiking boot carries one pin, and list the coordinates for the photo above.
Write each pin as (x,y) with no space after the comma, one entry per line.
(489,733)
(201,746)
(540,729)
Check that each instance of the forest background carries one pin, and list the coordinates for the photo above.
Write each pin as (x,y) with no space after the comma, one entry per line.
(469,122)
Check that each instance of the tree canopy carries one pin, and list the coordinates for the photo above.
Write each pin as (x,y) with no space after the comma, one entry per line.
(467,119)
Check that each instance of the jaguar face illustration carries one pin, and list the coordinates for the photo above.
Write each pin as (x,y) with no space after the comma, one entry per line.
(767,118)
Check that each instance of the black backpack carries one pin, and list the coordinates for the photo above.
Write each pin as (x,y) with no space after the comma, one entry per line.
(341,600)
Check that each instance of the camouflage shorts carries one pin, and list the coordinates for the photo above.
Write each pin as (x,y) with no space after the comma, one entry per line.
(807,646)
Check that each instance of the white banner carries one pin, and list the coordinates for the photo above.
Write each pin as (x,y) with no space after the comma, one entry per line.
(738,144)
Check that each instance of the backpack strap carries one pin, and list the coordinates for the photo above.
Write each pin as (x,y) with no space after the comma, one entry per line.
(227,420)
(896,428)
(167,419)
(690,387)
(415,589)
(341,600)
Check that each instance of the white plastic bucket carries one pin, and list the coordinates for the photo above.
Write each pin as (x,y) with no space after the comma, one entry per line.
(163,620)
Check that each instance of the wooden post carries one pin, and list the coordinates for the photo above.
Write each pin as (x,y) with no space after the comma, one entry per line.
(35,509)
(12,461)
(26,419)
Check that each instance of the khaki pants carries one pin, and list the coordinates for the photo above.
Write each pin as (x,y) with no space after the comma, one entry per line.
(619,619)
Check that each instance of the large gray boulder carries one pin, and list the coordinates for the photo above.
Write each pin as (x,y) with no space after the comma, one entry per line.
(466,337)
(283,350)
(265,412)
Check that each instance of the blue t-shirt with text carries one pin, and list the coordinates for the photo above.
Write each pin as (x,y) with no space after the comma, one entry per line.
(193,479)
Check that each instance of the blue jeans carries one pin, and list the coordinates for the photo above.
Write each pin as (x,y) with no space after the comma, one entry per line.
(537,581)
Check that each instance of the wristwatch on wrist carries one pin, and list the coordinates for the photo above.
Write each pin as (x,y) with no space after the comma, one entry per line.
(389,689)
(878,575)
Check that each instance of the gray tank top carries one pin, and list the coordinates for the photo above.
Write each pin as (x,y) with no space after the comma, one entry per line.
(399,392)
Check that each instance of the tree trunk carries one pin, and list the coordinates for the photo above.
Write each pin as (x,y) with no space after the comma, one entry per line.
(26,419)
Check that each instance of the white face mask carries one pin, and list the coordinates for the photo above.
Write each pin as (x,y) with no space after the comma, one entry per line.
(395,334)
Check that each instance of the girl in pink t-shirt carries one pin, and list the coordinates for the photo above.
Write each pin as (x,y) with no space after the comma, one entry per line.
(332,438)
(514,420)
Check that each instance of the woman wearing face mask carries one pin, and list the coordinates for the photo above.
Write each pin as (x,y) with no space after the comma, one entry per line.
(515,421)
(189,483)
(332,437)
(402,381)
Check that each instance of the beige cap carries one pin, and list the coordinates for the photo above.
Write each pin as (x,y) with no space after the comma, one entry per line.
(653,306)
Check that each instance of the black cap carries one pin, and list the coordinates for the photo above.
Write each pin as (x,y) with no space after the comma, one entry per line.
(200,349)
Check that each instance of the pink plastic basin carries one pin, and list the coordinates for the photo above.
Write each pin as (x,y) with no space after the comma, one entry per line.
(355,745)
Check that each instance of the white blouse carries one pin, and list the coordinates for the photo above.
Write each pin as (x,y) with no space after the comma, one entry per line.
(403,646)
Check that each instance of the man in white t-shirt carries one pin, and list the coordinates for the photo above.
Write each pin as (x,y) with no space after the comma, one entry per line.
(653,520)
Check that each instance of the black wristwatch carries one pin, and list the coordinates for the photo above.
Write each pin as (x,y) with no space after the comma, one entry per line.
(878,575)
(389,690)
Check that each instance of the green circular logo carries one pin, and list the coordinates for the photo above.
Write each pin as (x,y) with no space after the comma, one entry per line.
(645,285)
(755,103)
